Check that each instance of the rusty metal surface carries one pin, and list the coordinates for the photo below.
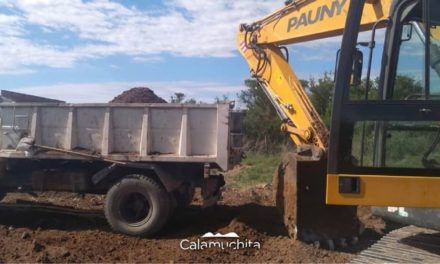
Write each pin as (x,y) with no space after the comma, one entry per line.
(300,196)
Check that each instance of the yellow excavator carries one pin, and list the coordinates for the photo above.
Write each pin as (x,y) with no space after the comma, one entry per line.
(382,146)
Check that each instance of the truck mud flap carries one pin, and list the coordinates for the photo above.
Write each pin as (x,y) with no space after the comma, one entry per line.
(211,190)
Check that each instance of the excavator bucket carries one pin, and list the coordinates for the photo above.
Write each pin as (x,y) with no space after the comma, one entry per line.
(299,184)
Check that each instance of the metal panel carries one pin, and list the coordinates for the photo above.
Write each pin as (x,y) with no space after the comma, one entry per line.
(126,129)
(89,128)
(203,131)
(165,129)
(53,124)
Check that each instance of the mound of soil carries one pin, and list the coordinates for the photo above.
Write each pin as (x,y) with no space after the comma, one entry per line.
(34,235)
(138,95)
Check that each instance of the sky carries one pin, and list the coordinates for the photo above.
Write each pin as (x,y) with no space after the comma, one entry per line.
(87,51)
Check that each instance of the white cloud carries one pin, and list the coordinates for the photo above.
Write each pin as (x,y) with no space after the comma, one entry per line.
(188,28)
(105,91)
(149,59)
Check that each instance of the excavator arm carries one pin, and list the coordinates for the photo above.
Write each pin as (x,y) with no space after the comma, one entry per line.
(261,43)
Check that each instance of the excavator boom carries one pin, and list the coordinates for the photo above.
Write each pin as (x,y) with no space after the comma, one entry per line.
(306,20)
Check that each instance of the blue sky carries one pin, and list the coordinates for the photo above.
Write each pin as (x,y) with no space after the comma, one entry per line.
(91,50)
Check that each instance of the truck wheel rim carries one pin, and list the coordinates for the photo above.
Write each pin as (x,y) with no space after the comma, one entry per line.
(135,209)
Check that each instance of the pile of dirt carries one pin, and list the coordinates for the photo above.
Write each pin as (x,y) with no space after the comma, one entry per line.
(138,95)
(34,235)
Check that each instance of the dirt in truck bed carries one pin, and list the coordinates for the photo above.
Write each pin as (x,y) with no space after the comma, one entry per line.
(30,234)
(138,95)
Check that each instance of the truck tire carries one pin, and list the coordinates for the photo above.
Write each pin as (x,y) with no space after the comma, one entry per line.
(137,206)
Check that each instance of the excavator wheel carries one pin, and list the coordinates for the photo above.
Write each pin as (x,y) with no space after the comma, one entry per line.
(299,186)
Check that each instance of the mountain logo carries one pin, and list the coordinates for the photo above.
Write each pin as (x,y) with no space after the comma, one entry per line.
(219,235)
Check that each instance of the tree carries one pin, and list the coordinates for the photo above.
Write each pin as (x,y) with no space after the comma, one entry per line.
(320,93)
(224,99)
(262,125)
(406,87)
(179,98)
(191,101)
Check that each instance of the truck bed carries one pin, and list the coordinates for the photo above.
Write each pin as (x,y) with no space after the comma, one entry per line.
(122,132)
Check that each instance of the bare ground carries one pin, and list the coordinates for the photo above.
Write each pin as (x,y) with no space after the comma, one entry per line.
(33,235)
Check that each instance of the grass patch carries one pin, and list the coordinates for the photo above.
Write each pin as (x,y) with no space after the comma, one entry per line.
(255,169)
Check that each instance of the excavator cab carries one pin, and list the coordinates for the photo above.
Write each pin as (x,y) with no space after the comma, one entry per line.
(384,145)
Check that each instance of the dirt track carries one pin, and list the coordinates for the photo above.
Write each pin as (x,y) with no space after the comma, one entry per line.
(32,235)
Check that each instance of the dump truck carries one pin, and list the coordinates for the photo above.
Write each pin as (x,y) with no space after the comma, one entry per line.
(148,159)
(382,146)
